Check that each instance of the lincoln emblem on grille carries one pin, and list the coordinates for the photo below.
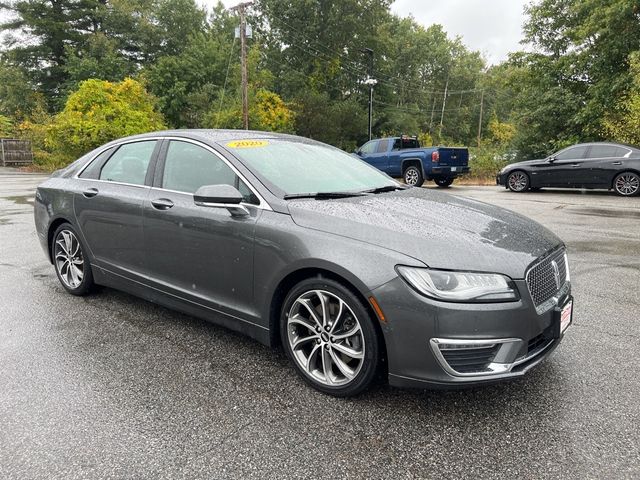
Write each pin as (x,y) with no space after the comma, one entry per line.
(556,273)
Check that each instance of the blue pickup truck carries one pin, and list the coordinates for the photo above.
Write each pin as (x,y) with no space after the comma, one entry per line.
(403,157)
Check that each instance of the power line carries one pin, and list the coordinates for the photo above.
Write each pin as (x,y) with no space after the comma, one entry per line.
(225,80)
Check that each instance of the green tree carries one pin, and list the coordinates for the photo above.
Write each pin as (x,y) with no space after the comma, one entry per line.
(6,126)
(623,124)
(18,97)
(267,111)
(51,26)
(98,57)
(101,111)
(579,70)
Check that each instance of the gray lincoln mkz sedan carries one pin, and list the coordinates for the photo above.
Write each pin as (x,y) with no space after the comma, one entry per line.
(297,243)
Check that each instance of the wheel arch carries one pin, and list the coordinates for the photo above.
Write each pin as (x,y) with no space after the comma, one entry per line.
(293,278)
(412,161)
(626,170)
(53,226)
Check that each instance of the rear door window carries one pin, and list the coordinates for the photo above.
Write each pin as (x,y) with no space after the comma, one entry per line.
(383,145)
(607,151)
(129,163)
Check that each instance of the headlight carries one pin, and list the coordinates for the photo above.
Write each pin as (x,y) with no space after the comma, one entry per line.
(460,286)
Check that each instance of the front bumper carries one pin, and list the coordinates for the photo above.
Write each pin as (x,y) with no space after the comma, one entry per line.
(418,327)
(500,180)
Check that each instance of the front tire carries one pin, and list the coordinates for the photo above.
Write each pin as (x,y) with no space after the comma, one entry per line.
(627,184)
(518,181)
(330,338)
(413,176)
(70,261)
(443,182)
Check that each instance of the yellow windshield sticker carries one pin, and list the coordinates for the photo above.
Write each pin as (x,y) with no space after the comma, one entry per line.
(248,143)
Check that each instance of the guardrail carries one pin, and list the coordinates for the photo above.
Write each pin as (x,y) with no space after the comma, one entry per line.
(15,153)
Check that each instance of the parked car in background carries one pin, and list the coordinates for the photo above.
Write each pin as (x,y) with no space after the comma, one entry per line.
(298,244)
(403,157)
(586,165)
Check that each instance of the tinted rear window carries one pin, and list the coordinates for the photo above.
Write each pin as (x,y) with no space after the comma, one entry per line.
(129,163)
(607,151)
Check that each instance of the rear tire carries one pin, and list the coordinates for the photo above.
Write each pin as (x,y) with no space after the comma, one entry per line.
(518,181)
(330,337)
(413,176)
(627,184)
(70,261)
(443,182)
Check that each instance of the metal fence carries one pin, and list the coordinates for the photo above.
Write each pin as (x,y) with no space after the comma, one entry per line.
(15,153)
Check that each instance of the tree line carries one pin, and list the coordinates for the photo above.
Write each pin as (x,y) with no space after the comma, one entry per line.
(77,72)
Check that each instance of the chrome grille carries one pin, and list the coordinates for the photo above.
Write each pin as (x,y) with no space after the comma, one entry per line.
(545,279)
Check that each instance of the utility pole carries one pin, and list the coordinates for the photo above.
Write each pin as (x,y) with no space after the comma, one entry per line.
(240,9)
(371,82)
(480,121)
(444,102)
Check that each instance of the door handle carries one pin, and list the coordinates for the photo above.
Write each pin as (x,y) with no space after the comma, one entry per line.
(575,165)
(616,163)
(162,204)
(90,192)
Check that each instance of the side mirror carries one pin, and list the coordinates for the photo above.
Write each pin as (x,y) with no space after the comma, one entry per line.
(551,159)
(221,196)
(356,152)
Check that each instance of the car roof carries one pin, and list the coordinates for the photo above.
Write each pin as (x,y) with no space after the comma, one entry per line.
(615,144)
(216,135)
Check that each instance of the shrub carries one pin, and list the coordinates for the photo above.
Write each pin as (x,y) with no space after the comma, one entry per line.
(98,112)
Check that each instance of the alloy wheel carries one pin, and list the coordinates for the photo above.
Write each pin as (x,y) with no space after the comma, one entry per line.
(68,259)
(411,177)
(326,338)
(627,184)
(518,181)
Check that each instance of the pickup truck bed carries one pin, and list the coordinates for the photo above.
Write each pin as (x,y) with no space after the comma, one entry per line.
(403,157)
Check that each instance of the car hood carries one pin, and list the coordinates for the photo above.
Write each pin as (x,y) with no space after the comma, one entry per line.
(440,230)
(527,162)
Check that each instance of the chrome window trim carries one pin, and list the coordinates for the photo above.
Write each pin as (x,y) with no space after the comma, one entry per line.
(264,205)
(114,183)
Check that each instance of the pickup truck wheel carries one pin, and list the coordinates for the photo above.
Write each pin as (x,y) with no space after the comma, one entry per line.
(413,176)
(443,182)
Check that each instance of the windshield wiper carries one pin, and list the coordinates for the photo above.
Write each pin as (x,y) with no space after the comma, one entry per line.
(386,188)
(322,195)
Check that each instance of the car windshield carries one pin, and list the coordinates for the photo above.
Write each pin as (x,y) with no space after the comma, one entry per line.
(299,168)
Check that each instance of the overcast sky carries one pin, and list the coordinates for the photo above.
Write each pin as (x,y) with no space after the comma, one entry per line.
(492,26)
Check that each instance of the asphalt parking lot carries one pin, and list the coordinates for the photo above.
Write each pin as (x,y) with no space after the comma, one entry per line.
(109,386)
